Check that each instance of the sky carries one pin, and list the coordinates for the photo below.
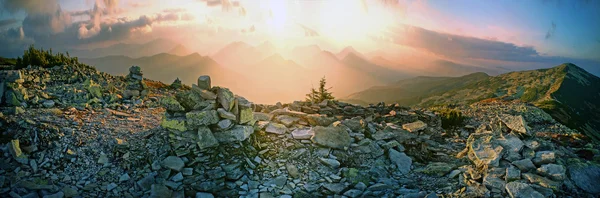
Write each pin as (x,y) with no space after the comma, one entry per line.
(507,33)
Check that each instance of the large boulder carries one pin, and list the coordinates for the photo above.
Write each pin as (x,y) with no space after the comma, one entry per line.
(332,137)
(522,190)
(586,176)
(225,98)
(236,134)
(204,82)
(206,139)
(401,160)
(515,123)
(483,149)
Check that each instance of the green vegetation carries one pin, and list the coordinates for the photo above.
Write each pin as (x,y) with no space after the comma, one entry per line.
(8,61)
(317,96)
(44,58)
(451,118)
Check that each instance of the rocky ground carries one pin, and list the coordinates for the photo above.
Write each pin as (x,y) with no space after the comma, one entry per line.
(75,132)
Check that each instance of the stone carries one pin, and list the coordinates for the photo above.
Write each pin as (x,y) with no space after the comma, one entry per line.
(414,126)
(515,123)
(276,128)
(521,190)
(55,195)
(302,134)
(524,164)
(482,150)
(195,119)
(204,195)
(124,177)
(225,98)
(48,103)
(511,143)
(237,133)
(146,182)
(173,162)
(332,137)
(160,191)
(190,100)
(206,94)
(292,170)
(224,124)
(204,82)
(103,159)
(319,120)
(171,104)
(287,120)
(401,160)
(544,157)
(177,177)
(379,187)
(128,94)
(226,114)
(353,193)
(542,181)
(335,188)
(244,110)
(494,183)
(585,176)
(553,171)
(512,174)
(176,124)
(206,138)
(111,186)
(437,169)
(332,163)
(69,191)
(259,116)
(355,124)
(15,149)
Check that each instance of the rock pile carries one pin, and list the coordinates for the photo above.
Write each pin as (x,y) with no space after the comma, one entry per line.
(135,86)
(176,84)
(205,116)
(12,92)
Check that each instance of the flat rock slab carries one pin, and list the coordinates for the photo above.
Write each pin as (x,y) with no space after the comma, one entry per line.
(415,126)
(332,137)
(401,160)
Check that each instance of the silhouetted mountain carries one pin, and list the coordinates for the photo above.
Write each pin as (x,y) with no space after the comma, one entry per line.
(382,73)
(153,47)
(179,50)
(238,54)
(349,50)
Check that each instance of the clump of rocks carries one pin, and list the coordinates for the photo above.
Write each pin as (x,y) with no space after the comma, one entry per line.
(206,116)
(14,94)
(176,84)
(135,86)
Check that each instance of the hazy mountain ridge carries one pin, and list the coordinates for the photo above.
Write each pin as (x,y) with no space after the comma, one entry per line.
(133,50)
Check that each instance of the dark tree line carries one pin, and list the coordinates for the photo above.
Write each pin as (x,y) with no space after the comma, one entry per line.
(44,58)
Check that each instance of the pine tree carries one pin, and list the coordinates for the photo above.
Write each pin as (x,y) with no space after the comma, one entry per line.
(317,96)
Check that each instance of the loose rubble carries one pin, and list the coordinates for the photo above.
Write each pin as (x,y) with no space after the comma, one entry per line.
(205,141)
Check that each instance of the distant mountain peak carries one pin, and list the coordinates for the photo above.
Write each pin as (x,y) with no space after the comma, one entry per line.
(349,50)
(179,50)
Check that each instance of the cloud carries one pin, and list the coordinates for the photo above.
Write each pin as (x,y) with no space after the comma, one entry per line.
(7,22)
(226,5)
(174,10)
(550,32)
(13,42)
(30,6)
(139,4)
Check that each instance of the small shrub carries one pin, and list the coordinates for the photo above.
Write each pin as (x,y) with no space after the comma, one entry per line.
(317,96)
(451,118)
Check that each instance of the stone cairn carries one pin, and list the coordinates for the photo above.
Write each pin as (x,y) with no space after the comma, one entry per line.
(135,84)
(12,93)
(205,116)
(176,84)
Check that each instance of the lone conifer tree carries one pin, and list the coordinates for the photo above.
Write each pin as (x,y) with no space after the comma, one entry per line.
(317,96)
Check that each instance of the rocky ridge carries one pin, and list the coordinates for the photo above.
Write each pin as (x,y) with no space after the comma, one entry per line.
(204,141)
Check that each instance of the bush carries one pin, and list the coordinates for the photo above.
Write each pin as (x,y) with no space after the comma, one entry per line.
(451,118)
(44,58)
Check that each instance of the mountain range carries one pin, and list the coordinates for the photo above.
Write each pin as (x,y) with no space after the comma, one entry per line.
(567,92)
(133,50)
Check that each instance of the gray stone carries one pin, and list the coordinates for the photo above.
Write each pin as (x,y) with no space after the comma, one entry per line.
(204,82)
(226,114)
(225,98)
(111,186)
(336,188)
(206,94)
(70,191)
(259,116)
(544,157)
(438,168)
(171,104)
(355,124)
(204,195)
(379,187)
(302,134)
(292,170)
(237,133)
(522,190)
(146,182)
(401,160)
(224,124)
(103,159)
(160,191)
(332,163)
(353,193)
(177,177)
(585,176)
(482,150)
(415,126)
(524,164)
(276,128)
(511,143)
(319,120)
(287,120)
(332,137)
(542,181)
(124,177)
(512,174)
(173,162)
(55,195)
(48,103)
(206,138)
(553,171)
(494,183)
